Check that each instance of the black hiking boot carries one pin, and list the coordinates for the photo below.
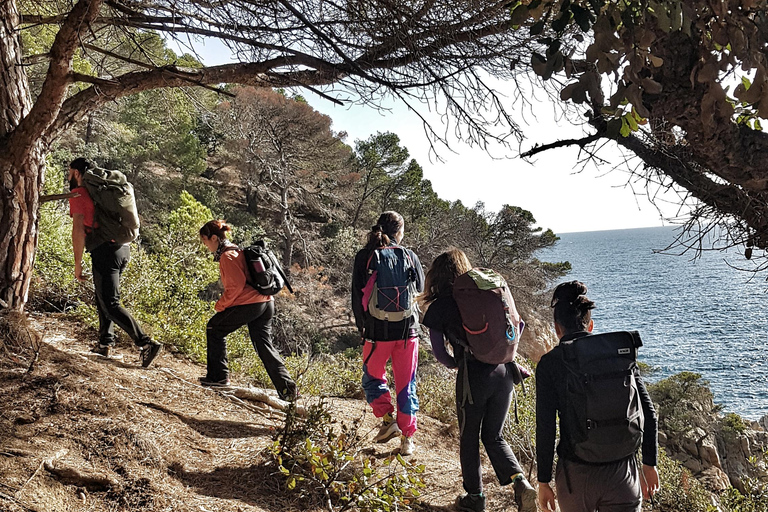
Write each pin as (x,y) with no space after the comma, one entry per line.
(148,353)
(210,383)
(471,503)
(102,350)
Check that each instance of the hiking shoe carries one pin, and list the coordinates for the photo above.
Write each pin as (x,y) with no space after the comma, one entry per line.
(102,350)
(289,394)
(525,495)
(387,431)
(471,503)
(148,353)
(210,383)
(407,446)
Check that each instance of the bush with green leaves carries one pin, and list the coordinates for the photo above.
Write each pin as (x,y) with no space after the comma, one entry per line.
(436,389)
(680,491)
(324,462)
(54,287)
(753,499)
(684,403)
(520,429)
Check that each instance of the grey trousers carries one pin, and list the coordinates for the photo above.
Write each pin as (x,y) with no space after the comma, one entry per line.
(613,487)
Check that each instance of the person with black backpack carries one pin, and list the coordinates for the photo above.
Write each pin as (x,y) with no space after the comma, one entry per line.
(386,279)
(483,389)
(592,383)
(240,304)
(105,222)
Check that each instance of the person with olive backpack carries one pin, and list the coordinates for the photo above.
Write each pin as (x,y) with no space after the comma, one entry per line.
(105,222)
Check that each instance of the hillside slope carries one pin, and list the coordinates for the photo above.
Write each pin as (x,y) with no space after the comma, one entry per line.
(85,433)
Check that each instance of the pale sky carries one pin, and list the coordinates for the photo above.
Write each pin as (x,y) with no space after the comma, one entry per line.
(550,187)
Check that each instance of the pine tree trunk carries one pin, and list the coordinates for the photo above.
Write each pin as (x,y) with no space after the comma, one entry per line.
(21,166)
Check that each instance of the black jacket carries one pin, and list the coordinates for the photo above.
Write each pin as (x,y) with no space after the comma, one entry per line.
(550,400)
(371,328)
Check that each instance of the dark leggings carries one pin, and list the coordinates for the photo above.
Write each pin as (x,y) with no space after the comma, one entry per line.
(491,387)
(258,318)
(109,262)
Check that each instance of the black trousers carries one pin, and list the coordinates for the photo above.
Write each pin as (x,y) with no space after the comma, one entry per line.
(258,318)
(109,262)
(491,387)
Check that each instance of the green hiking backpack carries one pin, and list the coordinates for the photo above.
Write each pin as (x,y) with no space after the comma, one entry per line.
(115,207)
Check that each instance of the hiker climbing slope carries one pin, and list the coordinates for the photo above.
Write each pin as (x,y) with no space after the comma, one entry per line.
(240,304)
(486,373)
(592,384)
(105,222)
(386,279)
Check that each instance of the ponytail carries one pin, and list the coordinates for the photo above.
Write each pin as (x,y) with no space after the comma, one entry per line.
(383,233)
(215,227)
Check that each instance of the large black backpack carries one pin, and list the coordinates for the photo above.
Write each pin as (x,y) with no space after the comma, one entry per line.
(604,416)
(264,271)
(115,207)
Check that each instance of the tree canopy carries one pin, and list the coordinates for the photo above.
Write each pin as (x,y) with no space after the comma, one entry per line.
(680,83)
(88,53)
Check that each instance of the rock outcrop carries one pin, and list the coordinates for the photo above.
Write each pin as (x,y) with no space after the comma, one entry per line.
(538,338)
(732,452)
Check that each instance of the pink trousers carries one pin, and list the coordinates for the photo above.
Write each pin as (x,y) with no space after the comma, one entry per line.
(405,357)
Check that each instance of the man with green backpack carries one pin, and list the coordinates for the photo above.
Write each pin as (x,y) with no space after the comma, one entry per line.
(105,222)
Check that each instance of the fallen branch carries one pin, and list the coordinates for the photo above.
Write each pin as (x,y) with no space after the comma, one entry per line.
(260,395)
(260,408)
(52,459)
(71,475)
(237,394)
(56,197)
(15,452)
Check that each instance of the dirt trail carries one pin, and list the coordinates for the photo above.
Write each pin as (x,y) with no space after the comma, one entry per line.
(86,433)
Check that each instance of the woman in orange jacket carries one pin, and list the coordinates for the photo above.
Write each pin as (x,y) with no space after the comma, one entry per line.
(239,305)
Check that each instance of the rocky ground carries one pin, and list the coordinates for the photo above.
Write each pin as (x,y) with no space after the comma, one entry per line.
(84,433)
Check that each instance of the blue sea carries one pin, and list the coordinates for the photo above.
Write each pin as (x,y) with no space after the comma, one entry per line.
(698,315)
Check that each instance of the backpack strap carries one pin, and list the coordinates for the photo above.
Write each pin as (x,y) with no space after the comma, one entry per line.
(614,422)
(374,252)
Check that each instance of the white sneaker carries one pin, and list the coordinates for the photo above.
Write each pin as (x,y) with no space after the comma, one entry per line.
(387,431)
(407,446)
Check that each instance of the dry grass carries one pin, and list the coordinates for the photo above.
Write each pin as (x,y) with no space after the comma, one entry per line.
(167,443)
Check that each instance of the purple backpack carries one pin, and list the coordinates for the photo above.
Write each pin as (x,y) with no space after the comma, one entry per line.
(488,315)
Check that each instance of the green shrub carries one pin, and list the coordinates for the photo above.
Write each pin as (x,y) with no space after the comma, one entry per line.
(324,462)
(680,491)
(520,430)
(684,403)
(753,499)
(437,390)
(54,287)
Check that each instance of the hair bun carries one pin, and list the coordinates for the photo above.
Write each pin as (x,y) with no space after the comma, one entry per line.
(569,292)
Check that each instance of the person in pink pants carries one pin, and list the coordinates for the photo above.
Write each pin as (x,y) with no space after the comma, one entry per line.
(389,335)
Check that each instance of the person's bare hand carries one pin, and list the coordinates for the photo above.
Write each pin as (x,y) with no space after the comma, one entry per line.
(79,273)
(650,481)
(546,497)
